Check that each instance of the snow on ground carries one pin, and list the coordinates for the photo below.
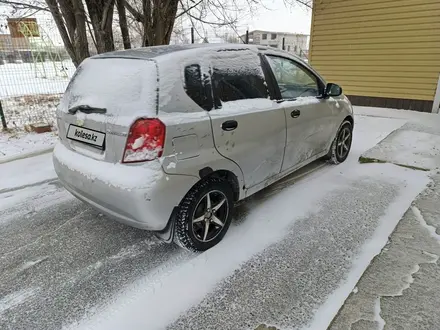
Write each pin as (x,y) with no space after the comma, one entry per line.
(409,148)
(186,284)
(26,172)
(19,143)
(15,299)
(27,79)
(167,292)
(394,113)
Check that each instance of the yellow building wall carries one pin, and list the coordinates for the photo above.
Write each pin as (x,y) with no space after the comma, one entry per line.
(378,48)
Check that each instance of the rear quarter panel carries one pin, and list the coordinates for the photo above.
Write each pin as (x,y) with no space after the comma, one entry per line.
(189,144)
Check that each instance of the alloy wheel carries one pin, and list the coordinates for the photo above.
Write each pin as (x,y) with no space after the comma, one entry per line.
(343,143)
(210,216)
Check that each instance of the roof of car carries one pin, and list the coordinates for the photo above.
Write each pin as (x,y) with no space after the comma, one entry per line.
(156,51)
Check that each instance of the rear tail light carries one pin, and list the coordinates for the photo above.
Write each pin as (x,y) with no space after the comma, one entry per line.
(145,141)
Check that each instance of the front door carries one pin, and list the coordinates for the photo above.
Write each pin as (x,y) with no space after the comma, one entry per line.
(248,127)
(309,118)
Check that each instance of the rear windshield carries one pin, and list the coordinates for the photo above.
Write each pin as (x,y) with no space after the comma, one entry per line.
(122,86)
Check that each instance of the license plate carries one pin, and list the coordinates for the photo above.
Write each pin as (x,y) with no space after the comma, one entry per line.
(86,135)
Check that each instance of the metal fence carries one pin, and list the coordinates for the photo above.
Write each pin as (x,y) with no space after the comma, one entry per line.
(34,72)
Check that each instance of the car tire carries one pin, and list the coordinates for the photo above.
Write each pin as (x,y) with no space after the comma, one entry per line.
(204,215)
(342,142)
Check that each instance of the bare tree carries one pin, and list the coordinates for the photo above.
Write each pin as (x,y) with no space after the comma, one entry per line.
(70,18)
(152,21)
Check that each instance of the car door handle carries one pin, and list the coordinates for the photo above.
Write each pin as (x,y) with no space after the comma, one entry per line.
(229,125)
(295,113)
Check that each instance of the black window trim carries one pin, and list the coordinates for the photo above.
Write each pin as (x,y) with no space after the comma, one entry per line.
(321,83)
(272,86)
(216,98)
(207,87)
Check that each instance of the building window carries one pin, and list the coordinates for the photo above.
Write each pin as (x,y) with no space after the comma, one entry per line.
(264,36)
(273,36)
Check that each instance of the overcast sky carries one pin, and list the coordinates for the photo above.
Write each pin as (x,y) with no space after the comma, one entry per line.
(279,18)
(273,16)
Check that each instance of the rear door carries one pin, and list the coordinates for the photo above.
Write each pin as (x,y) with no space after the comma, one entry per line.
(248,127)
(309,118)
(103,99)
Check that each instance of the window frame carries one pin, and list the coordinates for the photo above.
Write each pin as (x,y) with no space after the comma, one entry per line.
(273,80)
(264,36)
(215,97)
(206,87)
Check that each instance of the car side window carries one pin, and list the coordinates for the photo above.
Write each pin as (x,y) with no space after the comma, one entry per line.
(293,80)
(238,82)
(196,88)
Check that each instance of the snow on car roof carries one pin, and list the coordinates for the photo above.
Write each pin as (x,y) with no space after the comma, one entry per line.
(156,51)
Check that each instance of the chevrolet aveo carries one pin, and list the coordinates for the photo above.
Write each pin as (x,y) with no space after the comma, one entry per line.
(169,138)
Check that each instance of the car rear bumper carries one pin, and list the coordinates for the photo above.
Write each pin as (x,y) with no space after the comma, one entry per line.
(142,196)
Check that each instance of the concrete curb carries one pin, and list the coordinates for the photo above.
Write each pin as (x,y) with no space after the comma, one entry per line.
(26,155)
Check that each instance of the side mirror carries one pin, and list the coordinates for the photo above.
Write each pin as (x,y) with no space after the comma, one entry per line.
(333,90)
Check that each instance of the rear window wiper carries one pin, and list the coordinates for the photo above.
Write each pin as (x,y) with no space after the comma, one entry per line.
(86,109)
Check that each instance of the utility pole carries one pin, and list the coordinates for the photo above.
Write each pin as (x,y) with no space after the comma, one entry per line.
(192,35)
(247,37)
(284,43)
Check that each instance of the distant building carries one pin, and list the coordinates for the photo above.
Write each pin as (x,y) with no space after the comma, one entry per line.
(6,49)
(19,29)
(5,42)
(293,42)
(383,54)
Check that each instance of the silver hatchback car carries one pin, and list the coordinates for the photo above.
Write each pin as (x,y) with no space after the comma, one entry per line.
(169,138)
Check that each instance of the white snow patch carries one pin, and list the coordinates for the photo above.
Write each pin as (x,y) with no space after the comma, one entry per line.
(252,105)
(408,280)
(355,290)
(26,171)
(176,118)
(377,317)
(27,201)
(412,148)
(395,113)
(242,106)
(306,100)
(433,256)
(138,142)
(141,154)
(32,263)
(432,230)
(122,86)
(117,175)
(171,165)
(21,143)
(16,298)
